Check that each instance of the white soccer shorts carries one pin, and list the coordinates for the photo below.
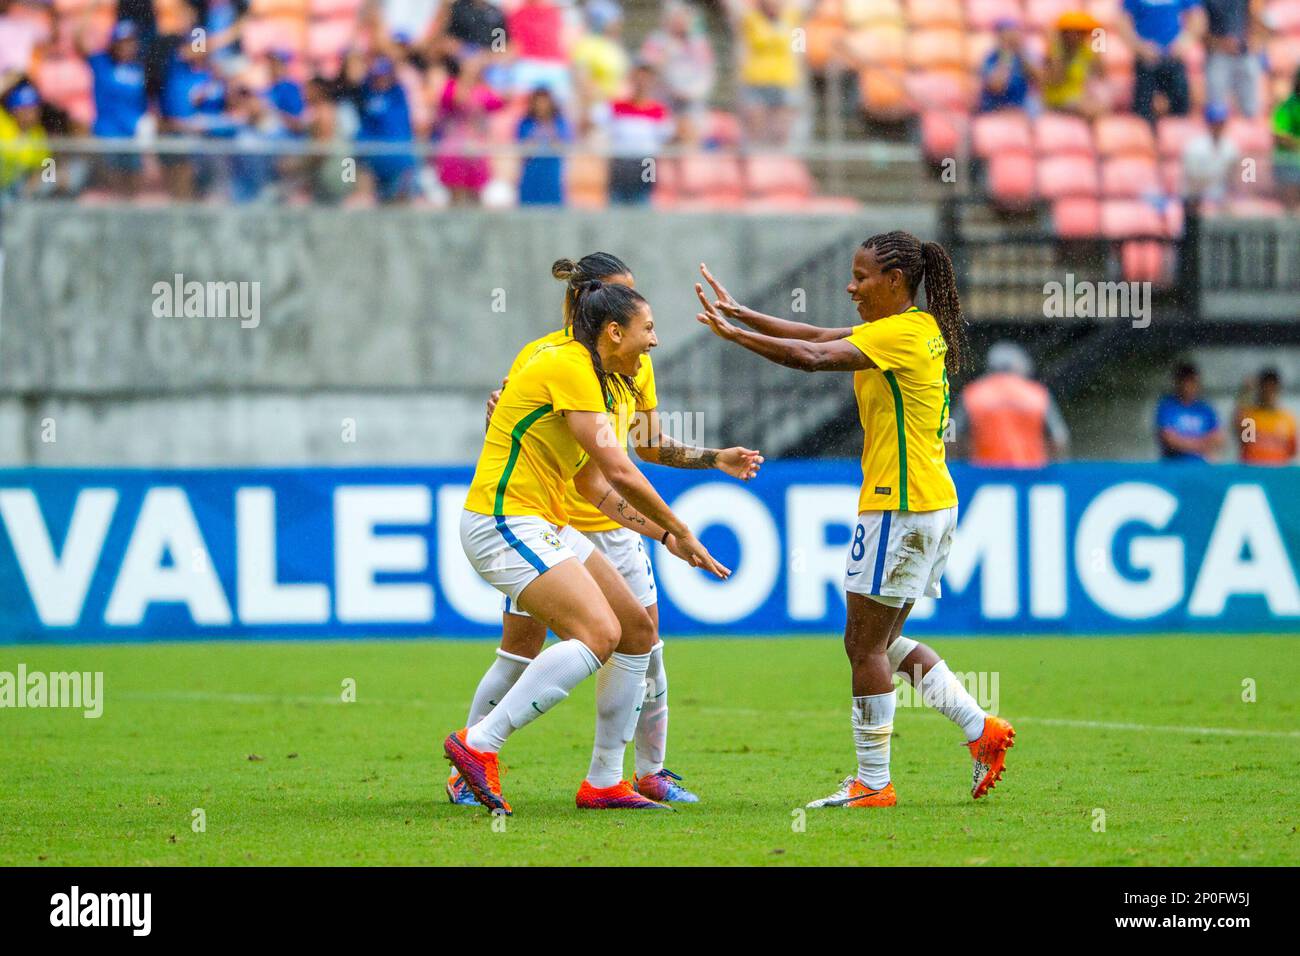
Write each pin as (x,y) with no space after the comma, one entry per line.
(896,557)
(625,549)
(511,552)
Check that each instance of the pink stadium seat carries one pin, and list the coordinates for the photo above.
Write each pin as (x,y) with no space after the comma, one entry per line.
(1056,133)
(330,38)
(1107,13)
(941,89)
(1043,14)
(1255,207)
(772,176)
(822,37)
(261,35)
(1284,55)
(1173,133)
(1147,260)
(296,9)
(1130,177)
(1067,175)
(712,176)
(943,133)
(979,44)
(935,13)
(1131,218)
(1124,133)
(1011,179)
(934,47)
(880,44)
(334,8)
(667,178)
(1283,16)
(983,14)
(1253,137)
(857,12)
(1003,130)
(1077,218)
(1118,57)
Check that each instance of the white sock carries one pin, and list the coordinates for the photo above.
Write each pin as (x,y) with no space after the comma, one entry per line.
(543,684)
(873,723)
(652,725)
(942,691)
(498,679)
(620,688)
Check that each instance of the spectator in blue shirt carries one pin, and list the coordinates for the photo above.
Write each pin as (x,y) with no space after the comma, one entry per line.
(118,79)
(1007,73)
(385,117)
(542,181)
(1187,428)
(193,102)
(284,93)
(1157,30)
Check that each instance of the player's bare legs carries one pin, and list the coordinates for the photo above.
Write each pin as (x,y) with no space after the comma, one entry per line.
(866,636)
(988,738)
(569,601)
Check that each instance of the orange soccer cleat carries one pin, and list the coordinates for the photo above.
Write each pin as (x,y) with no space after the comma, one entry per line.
(854,793)
(621,796)
(479,771)
(990,755)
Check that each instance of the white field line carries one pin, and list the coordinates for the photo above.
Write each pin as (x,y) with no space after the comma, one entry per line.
(228,698)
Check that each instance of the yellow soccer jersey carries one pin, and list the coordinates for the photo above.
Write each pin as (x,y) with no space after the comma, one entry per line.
(583,515)
(903,407)
(529,454)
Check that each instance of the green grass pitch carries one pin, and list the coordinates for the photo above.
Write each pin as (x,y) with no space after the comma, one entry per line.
(1179,768)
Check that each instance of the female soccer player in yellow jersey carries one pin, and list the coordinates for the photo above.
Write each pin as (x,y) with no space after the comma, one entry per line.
(522,636)
(907,511)
(551,426)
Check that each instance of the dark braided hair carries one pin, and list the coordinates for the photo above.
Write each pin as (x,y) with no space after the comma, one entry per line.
(594,267)
(596,304)
(927,261)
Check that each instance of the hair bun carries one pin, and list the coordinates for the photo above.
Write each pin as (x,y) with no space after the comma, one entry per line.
(563,269)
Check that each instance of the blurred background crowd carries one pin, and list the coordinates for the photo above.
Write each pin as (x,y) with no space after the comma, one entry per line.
(546,102)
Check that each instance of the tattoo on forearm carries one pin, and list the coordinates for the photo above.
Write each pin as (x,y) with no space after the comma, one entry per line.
(629,513)
(676,455)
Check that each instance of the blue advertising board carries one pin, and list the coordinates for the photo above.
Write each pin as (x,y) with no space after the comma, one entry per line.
(1087,548)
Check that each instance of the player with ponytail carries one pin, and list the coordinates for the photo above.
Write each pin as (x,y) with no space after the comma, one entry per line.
(902,359)
(600,304)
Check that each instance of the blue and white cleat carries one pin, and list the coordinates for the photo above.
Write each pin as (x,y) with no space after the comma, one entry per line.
(662,786)
(459,793)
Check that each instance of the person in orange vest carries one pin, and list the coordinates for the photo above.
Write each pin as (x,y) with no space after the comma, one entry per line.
(1267,431)
(1006,419)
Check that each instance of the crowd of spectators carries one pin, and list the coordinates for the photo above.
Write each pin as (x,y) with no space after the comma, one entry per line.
(461,75)
(1228,36)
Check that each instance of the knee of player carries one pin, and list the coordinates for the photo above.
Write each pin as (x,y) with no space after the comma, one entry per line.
(601,635)
(638,634)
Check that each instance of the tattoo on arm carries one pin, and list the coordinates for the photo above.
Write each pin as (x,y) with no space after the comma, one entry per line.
(629,513)
(676,455)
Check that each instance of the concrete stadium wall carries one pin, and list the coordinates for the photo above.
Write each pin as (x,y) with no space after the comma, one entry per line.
(395,321)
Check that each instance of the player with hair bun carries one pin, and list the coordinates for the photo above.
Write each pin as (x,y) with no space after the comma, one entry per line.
(901,358)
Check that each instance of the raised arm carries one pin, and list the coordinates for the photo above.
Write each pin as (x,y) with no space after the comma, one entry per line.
(654,446)
(597,438)
(805,355)
(765,324)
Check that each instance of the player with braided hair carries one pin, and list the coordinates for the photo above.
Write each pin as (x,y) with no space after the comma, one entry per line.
(901,358)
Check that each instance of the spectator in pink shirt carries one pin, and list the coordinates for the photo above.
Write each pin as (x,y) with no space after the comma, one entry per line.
(536,29)
(462,122)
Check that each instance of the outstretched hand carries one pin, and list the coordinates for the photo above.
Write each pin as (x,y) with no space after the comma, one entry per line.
(690,550)
(726,303)
(742,463)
